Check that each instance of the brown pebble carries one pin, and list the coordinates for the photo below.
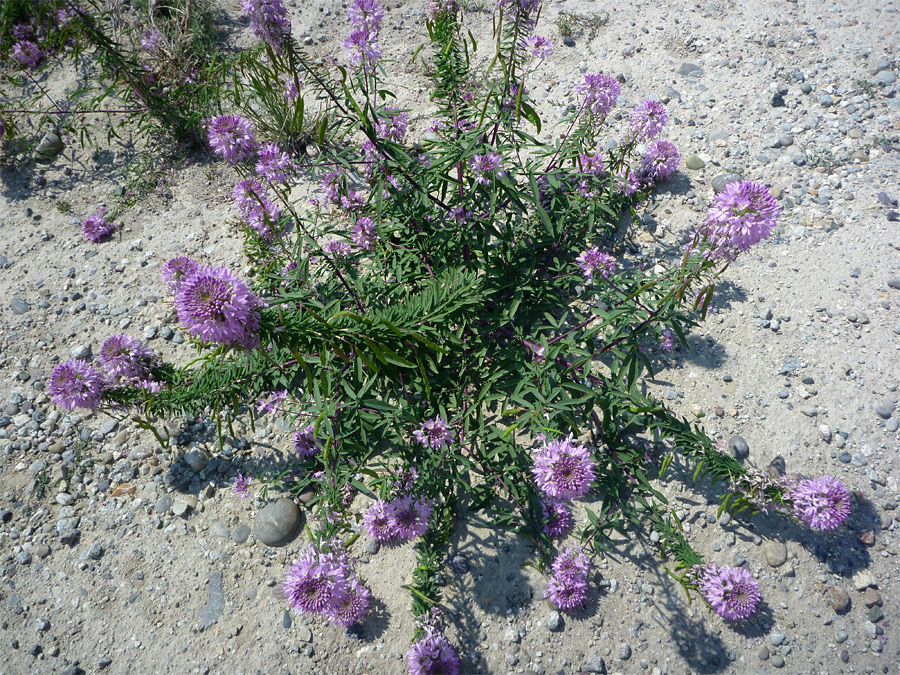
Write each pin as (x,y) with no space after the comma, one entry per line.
(872,598)
(838,598)
(122,490)
(866,537)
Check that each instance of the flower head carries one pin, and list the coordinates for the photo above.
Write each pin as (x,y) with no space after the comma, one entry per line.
(563,469)
(392,124)
(599,92)
(96,228)
(231,137)
(352,606)
(378,521)
(362,48)
(434,433)
(432,655)
(556,517)
(364,234)
(568,586)
(151,40)
(409,517)
(26,53)
(125,356)
(273,164)
(627,182)
(667,341)
(485,167)
(592,163)
(241,486)
(316,583)
(647,120)
(742,215)
(76,384)
(305,442)
(268,19)
(338,248)
(822,503)
(730,591)
(660,160)
(541,47)
(216,306)
(365,15)
(593,261)
(177,270)
(256,209)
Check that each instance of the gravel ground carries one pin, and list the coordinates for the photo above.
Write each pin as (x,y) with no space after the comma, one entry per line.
(118,556)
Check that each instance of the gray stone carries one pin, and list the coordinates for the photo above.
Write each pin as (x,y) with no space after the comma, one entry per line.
(690,69)
(37,466)
(95,552)
(48,147)
(885,77)
(240,534)
(838,598)
(42,625)
(826,101)
(785,140)
(775,553)
(19,306)
(371,547)
(738,447)
(163,504)
(196,459)
(65,499)
(694,163)
(841,637)
(277,523)
(777,638)
(215,605)
(220,529)
(894,283)
(554,621)
(23,558)
(778,661)
(184,506)
(286,621)
(105,662)
(594,663)
(762,653)
(884,409)
(623,651)
(81,352)
(723,180)
(875,614)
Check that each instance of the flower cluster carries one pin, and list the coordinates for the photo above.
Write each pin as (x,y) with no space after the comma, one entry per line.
(434,433)
(741,215)
(241,486)
(231,138)
(392,124)
(268,19)
(432,655)
(256,209)
(26,53)
(96,228)
(125,356)
(556,518)
(568,585)
(76,384)
(151,40)
(324,583)
(822,503)
(362,45)
(647,120)
(599,93)
(272,404)
(305,442)
(541,47)
(214,305)
(177,270)
(730,591)
(594,261)
(660,160)
(485,167)
(563,469)
(400,519)
(592,163)
(273,164)
(364,234)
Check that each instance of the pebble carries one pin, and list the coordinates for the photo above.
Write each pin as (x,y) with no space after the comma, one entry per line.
(42,625)
(885,77)
(738,447)
(871,598)
(241,534)
(163,504)
(95,552)
(826,101)
(105,662)
(48,147)
(875,614)
(276,524)
(286,621)
(721,181)
(694,163)
(777,638)
(623,652)
(65,499)
(838,598)
(196,459)
(762,653)
(19,306)
(778,661)
(884,409)
(863,580)
(841,637)
(775,553)
(554,621)
(215,604)
(594,663)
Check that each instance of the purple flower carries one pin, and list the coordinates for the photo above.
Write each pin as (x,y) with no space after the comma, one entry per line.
(568,586)
(599,93)
(216,306)
(627,182)
(291,89)
(177,270)
(592,163)
(364,234)
(268,19)
(305,442)
(541,47)
(353,201)
(27,53)
(660,160)
(434,433)
(331,186)
(273,164)
(392,124)
(231,137)
(352,606)
(316,583)
(125,356)
(432,655)
(730,591)
(409,517)
(437,8)
(76,384)
(647,120)
(150,40)
(96,228)
(241,486)
(362,48)
(271,404)
(741,216)
(378,521)
(150,386)
(485,166)
(256,209)
(365,15)
(667,341)
(556,517)
(593,261)
(538,351)
(822,503)
(338,249)
(563,469)
(522,12)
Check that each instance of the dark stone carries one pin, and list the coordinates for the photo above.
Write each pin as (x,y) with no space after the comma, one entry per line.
(778,101)
(240,534)
(777,467)
(738,447)
(286,620)
(893,216)
(105,662)
(19,306)
(215,605)
(569,41)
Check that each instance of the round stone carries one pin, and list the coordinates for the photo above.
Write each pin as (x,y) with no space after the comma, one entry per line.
(723,180)
(240,534)
(776,553)
(778,661)
(277,523)
(884,410)
(554,621)
(738,447)
(623,653)
(48,148)
(762,653)
(694,163)
(777,638)
(196,459)
(885,77)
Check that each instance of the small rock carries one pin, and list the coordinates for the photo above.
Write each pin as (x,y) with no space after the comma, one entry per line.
(778,661)
(240,534)
(594,663)
(65,499)
(694,163)
(554,621)
(23,558)
(163,504)
(196,459)
(286,621)
(277,523)
(777,638)
(863,580)
(95,552)
(762,653)
(723,180)
(884,409)
(875,614)
(738,447)
(42,625)
(826,101)
(48,148)
(838,598)
(841,637)
(778,100)
(872,598)
(105,662)
(215,605)
(19,306)
(885,77)
(623,652)
(825,433)
(775,553)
